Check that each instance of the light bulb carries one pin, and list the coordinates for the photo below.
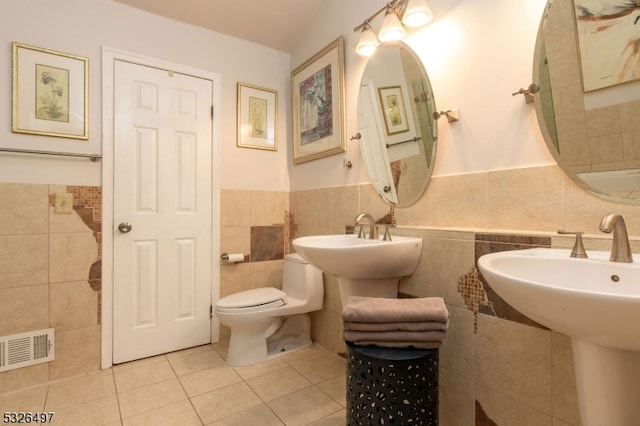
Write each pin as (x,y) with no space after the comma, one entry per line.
(368,42)
(417,13)
(391,29)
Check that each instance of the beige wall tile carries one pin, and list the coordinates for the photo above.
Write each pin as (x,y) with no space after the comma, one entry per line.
(24,309)
(23,378)
(235,239)
(267,207)
(528,199)
(235,208)
(24,260)
(564,395)
(71,256)
(457,351)
(77,352)
(461,201)
(503,410)
(456,399)
(24,209)
(515,360)
(73,304)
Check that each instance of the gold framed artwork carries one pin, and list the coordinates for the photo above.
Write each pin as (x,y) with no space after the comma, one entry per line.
(608,42)
(257,117)
(50,92)
(393,109)
(317,92)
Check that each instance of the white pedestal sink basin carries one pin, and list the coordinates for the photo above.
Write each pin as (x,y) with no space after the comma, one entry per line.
(364,267)
(595,302)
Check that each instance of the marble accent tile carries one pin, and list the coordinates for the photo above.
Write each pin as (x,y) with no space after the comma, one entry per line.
(24,209)
(24,260)
(267,243)
(24,309)
(303,407)
(515,360)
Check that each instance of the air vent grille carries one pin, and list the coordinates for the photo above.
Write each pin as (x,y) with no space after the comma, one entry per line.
(22,350)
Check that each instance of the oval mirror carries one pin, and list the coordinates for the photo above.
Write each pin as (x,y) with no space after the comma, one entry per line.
(586,64)
(395,121)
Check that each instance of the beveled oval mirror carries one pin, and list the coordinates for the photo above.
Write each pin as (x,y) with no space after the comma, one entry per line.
(587,66)
(395,120)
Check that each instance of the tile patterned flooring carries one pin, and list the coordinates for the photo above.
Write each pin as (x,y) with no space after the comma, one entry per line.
(196,387)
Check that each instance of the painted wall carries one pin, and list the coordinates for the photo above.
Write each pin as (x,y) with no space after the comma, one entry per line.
(82,28)
(471,68)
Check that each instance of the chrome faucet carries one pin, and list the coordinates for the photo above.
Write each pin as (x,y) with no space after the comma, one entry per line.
(373,229)
(620,249)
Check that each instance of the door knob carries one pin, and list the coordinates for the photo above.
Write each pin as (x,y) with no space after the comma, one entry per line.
(124,227)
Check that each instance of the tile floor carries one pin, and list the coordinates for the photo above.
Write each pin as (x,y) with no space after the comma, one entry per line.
(195,387)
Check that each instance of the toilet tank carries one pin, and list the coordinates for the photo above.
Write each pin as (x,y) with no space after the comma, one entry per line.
(302,281)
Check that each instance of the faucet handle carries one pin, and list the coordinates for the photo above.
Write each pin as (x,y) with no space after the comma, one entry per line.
(387,234)
(361,232)
(578,247)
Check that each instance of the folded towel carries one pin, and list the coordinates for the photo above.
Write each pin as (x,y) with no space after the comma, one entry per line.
(380,310)
(395,336)
(418,345)
(396,326)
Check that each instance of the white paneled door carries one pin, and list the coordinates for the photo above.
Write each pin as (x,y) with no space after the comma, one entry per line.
(162,211)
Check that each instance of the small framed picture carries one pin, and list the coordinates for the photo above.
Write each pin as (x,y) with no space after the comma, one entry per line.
(257,117)
(317,99)
(393,109)
(50,93)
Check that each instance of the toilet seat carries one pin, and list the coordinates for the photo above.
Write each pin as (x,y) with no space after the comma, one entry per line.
(252,300)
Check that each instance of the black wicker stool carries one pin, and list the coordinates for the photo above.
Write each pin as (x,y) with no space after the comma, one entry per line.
(391,386)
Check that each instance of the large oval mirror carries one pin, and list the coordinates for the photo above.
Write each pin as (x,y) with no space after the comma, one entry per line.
(587,66)
(395,121)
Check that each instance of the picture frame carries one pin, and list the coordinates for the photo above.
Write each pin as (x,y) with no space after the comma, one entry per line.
(393,109)
(607,39)
(257,117)
(317,92)
(50,92)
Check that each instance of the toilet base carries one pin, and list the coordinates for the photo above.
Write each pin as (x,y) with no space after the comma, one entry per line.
(273,339)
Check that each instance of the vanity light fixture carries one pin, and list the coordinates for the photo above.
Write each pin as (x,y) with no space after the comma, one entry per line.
(368,41)
(392,29)
(410,13)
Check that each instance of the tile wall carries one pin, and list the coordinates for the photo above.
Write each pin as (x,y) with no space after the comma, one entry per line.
(497,367)
(50,276)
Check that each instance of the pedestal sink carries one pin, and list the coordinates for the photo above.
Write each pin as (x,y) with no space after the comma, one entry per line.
(364,267)
(595,302)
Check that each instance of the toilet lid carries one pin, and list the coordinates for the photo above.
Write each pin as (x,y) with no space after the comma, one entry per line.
(258,297)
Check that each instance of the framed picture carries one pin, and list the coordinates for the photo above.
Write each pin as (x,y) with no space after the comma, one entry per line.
(317,92)
(393,110)
(257,117)
(50,93)
(608,40)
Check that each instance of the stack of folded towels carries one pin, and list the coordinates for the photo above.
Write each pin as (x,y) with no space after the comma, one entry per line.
(395,323)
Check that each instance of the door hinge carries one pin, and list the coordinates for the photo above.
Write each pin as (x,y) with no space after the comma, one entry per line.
(210,311)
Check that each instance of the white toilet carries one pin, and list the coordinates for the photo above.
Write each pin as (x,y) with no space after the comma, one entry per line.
(266,322)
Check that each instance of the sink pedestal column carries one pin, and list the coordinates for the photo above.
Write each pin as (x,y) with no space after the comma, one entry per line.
(608,381)
(381,287)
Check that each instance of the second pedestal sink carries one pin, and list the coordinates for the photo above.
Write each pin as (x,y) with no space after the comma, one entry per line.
(364,267)
(594,301)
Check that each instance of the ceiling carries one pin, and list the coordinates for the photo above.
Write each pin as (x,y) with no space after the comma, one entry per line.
(280,25)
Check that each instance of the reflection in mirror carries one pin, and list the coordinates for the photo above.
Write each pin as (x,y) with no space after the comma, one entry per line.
(395,121)
(587,66)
